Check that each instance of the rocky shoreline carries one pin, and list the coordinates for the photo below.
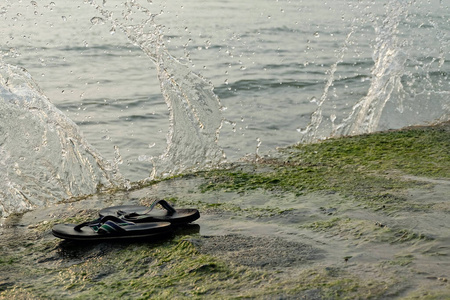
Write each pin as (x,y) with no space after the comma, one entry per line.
(350,218)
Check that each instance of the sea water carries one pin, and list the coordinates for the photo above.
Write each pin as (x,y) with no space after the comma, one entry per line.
(151,88)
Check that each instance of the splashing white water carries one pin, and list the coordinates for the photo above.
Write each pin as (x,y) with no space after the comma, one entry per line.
(389,59)
(401,92)
(43,157)
(195,118)
(316,129)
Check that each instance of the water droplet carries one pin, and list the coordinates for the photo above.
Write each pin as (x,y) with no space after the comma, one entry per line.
(64,18)
(118,158)
(316,34)
(97,20)
(142,157)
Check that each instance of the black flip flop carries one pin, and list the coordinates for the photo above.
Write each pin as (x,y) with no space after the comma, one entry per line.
(138,214)
(109,228)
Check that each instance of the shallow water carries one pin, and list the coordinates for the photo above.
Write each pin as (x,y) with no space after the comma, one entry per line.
(256,229)
(357,65)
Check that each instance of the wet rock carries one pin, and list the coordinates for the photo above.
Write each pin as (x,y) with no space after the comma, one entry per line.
(260,252)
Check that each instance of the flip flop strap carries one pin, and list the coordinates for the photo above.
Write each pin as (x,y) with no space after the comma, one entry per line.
(105,224)
(111,227)
(162,202)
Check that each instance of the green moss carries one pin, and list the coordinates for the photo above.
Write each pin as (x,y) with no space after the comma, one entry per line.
(325,225)
(401,260)
(429,295)
(225,207)
(332,283)
(366,167)
(172,269)
(366,170)
(404,235)
(417,151)
(366,231)
(8,260)
(167,269)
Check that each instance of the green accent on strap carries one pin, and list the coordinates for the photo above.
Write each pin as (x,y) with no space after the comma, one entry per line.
(106,228)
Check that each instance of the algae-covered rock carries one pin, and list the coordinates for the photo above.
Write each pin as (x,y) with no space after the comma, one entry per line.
(350,218)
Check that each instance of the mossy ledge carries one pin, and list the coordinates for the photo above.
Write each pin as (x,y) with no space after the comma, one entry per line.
(369,168)
(332,220)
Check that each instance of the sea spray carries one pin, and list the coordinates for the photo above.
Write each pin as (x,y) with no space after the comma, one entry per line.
(316,129)
(409,84)
(195,110)
(43,156)
(389,67)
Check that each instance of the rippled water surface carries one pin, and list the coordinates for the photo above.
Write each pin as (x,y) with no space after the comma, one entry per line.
(283,71)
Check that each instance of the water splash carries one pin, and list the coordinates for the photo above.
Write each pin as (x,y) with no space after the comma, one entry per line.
(408,83)
(389,58)
(195,111)
(43,157)
(316,128)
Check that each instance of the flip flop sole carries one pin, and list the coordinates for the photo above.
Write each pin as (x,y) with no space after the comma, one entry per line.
(67,232)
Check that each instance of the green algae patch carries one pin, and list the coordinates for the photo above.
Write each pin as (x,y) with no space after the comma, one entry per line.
(165,269)
(366,231)
(401,260)
(368,168)
(331,283)
(334,220)
(139,270)
(417,151)
(429,295)
(221,207)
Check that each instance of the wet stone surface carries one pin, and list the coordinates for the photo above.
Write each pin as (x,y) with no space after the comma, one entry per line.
(261,252)
(305,230)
